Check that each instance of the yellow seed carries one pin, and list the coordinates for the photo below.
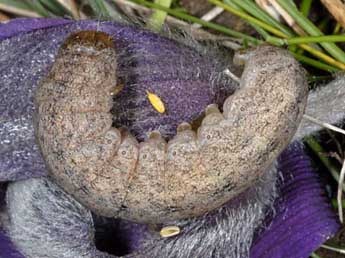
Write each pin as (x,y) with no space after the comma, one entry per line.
(156,102)
(116,90)
(170,231)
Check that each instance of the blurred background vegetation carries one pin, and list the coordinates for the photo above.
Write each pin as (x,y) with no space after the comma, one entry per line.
(312,30)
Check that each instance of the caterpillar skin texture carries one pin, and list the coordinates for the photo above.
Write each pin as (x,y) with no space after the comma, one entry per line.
(155,181)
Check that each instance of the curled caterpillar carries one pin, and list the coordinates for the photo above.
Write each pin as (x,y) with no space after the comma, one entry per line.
(156,181)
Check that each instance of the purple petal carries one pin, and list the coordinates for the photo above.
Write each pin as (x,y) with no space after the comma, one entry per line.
(22,25)
(7,249)
(186,79)
(304,218)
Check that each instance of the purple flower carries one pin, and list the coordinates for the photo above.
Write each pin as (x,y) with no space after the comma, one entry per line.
(29,55)
(7,249)
(303,218)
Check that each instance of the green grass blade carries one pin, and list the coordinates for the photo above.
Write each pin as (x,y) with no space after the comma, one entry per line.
(249,18)
(231,4)
(260,14)
(337,28)
(315,63)
(157,19)
(279,33)
(55,7)
(305,7)
(99,8)
(39,8)
(18,8)
(335,203)
(192,19)
(319,151)
(112,12)
(310,28)
(261,31)
(316,39)
(318,78)
(314,255)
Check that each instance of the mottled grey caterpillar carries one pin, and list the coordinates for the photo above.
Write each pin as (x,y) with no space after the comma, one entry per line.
(155,181)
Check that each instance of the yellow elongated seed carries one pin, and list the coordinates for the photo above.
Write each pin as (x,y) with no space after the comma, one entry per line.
(170,231)
(156,102)
(116,90)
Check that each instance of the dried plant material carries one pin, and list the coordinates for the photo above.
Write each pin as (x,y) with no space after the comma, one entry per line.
(334,249)
(72,6)
(156,102)
(18,11)
(117,89)
(241,57)
(210,15)
(232,75)
(276,11)
(155,181)
(169,231)
(3,17)
(337,9)
(326,103)
(342,172)
(130,8)
(323,124)
(266,5)
(340,192)
(208,11)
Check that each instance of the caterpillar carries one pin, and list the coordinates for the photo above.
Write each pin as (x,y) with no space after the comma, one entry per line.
(156,181)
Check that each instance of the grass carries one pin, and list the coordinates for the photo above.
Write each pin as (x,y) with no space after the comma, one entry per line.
(306,40)
(157,19)
(326,56)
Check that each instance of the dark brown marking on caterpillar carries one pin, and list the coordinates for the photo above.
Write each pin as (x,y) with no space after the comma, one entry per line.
(108,171)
